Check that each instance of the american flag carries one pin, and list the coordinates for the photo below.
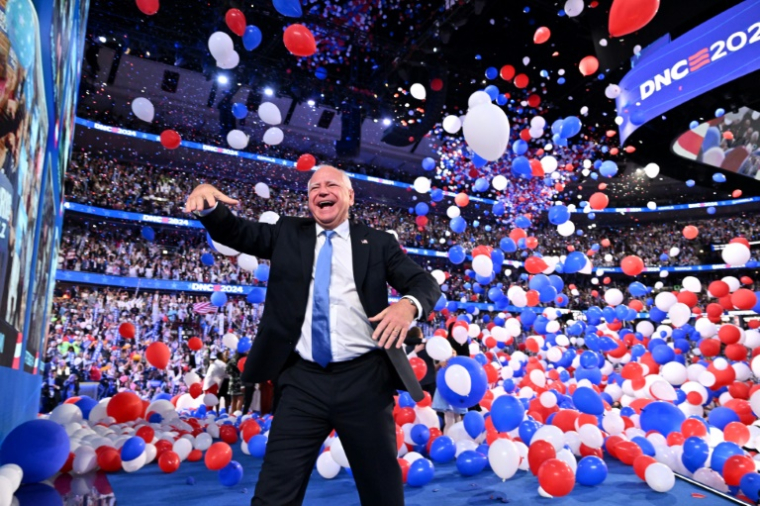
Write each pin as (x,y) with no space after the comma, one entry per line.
(204,308)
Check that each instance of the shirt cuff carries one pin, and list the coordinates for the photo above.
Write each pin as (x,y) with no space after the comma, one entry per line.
(205,212)
(416,304)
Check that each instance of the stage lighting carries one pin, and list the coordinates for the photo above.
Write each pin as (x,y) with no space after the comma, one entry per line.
(311,103)
(102,39)
(386,122)
(268,92)
(222,79)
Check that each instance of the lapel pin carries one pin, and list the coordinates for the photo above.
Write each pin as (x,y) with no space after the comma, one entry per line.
(364,241)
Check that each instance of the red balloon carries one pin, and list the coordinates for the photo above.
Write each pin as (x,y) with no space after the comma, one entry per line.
(628,16)
(218,456)
(743,299)
(241,364)
(736,352)
(729,334)
(640,465)
(588,65)
(146,433)
(305,162)
(195,455)
(507,72)
(125,407)
(598,201)
(535,265)
(148,7)
(162,445)
(462,199)
(688,298)
(127,330)
(436,84)
(235,20)
(690,232)
(542,35)
(521,81)
(299,40)
(627,451)
(632,265)
(109,459)
(693,427)
(404,465)
(158,355)
(195,343)
(735,467)
(196,389)
(228,434)
(534,100)
(556,477)
(170,139)
(538,453)
(736,432)
(426,401)
(168,461)
(419,367)
(249,430)
(405,415)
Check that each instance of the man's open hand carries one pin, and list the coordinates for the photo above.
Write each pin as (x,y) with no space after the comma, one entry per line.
(205,196)
(395,321)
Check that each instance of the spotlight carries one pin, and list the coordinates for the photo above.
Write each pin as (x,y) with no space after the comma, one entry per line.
(102,39)
(386,122)
(311,103)
(222,79)
(269,92)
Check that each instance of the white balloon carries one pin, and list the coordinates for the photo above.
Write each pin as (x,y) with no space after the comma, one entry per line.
(679,314)
(612,91)
(66,413)
(591,436)
(714,156)
(270,113)
(550,434)
(262,190)
(566,229)
(660,477)
(504,458)
(270,217)
(438,348)
(209,400)
(133,465)
(247,262)
(143,109)
(499,182)
(203,441)
(273,136)
(674,251)
(732,282)
(6,492)
(422,185)
(652,170)
(486,130)
(573,8)
(458,379)
(664,301)
(418,91)
(652,205)
(220,45)
(338,453)
(225,250)
(230,340)
(453,211)
(692,284)
(13,473)
(85,460)
(567,457)
(482,265)
(549,164)
(736,254)
(237,139)
(613,297)
(439,275)
(182,447)
(452,124)
(150,453)
(189,378)
(674,373)
(326,466)
(478,98)
(230,61)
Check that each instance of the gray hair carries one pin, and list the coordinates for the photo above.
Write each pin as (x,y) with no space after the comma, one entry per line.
(346,179)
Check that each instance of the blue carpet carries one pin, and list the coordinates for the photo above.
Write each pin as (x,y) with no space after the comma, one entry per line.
(150,486)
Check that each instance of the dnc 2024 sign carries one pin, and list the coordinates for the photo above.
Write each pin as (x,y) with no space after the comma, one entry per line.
(723,49)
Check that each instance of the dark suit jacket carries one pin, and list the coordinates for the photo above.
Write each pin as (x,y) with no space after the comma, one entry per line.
(377,261)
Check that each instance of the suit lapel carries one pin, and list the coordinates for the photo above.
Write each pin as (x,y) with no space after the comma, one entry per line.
(308,241)
(360,254)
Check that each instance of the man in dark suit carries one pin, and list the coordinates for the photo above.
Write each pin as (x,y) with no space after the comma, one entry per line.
(328,336)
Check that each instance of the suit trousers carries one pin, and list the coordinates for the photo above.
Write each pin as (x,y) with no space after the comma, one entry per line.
(356,399)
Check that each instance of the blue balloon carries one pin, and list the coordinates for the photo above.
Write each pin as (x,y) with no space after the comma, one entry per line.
(750,485)
(458,225)
(39,447)
(428,163)
(647,448)
(719,178)
(132,448)
(571,126)
(521,167)
(557,127)
(252,37)
(474,424)
(244,345)
(257,295)
(506,413)
(547,294)
(436,195)
(587,401)
(231,474)
(148,233)
(492,90)
(289,8)
(663,354)
(690,183)
(662,417)
(591,471)
(443,449)
(491,73)
(421,209)
(522,222)
(441,303)
(457,254)
(470,462)
(574,262)
(637,289)
(219,299)
(527,428)
(558,215)
(320,73)
(257,445)
(695,452)
(507,245)
(722,416)
(721,453)
(478,382)
(712,138)
(481,184)
(207,259)
(478,161)
(498,209)
(420,473)
(262,272)
(240,111)
(85,405)
(420,434)
(38,494)
(520,147)
(608,168)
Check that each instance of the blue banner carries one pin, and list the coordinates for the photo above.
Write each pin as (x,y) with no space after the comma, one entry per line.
(716,52)
(123,215)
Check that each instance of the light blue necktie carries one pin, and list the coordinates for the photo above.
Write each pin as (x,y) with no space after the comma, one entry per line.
(321,350)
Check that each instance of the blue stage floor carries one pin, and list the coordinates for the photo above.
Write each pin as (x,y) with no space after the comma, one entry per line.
(150,486)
